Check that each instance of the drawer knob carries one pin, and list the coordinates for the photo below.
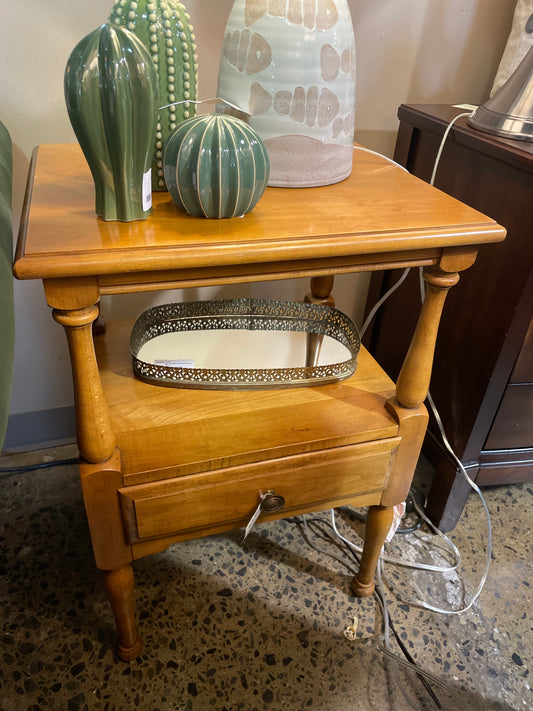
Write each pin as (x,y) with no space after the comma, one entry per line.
(272,502)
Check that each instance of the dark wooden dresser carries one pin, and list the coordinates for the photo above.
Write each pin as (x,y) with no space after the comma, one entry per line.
(482,380)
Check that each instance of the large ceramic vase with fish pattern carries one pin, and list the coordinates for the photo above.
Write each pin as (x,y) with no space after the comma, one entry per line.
(290,65)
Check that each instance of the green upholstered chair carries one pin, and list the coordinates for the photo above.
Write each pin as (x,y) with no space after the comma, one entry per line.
(7,318)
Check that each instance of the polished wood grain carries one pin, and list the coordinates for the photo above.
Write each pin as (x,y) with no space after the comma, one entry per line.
(176,432)
(119,586)
(160,464)
(96,440)
(308,482)
(413,380)
(513,427)
(99,483)
(412,428)
(371,212)
(378,523)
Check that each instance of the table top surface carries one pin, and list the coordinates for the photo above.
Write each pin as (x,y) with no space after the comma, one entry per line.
(379,209)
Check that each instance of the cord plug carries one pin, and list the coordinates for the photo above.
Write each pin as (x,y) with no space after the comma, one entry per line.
(350,632)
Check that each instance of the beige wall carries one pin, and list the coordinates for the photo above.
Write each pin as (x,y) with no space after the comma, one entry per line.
(407,51)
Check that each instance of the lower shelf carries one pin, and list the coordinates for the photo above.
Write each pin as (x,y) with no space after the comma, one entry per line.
(164,433)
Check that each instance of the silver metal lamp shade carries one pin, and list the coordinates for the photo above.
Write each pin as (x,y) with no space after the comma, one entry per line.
(509,112)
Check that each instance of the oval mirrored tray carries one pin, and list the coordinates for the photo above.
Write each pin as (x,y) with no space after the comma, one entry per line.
(243,344)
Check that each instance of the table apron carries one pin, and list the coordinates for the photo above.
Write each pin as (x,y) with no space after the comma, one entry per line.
(252,273)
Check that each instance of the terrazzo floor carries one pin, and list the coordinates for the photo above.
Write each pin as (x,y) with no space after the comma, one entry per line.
(258,625)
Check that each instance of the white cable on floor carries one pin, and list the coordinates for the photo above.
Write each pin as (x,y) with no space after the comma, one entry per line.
(401,561)
(472,484)
(421,566)
(385,649)
(384,645)
(338,558)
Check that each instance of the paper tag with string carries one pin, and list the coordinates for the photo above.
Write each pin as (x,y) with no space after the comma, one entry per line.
(398,513)
(255,516)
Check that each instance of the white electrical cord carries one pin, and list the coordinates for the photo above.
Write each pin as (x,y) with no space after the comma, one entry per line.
(385,649)
(380,155)
(441,147)
(472,484)
(213,100)
(401,561)
(417,602)
(421,566)
(382,301)
(384,644)
(385,639)
(431,182)
(338,558)
(406,271)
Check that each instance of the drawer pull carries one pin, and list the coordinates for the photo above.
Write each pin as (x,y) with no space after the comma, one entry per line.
(272,502)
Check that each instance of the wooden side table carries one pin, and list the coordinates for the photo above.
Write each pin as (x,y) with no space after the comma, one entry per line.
(483,371)
(162,465)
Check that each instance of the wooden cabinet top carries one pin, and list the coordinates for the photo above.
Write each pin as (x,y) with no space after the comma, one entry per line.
(436,117)
(380,209)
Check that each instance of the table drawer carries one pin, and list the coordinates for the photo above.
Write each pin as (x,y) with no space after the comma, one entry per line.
(200,504)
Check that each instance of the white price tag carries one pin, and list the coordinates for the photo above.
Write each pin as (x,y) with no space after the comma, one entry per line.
(147,190)
(175,363)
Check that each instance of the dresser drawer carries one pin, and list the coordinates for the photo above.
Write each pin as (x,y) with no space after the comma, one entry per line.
(223,499)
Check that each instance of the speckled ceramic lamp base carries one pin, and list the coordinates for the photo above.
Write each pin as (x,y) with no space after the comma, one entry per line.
(290,64)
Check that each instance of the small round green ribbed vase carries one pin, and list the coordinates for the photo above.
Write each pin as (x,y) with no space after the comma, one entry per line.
(164,27)
(215,166)
(111,92)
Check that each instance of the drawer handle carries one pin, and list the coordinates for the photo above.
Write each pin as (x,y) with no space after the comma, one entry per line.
(272,502)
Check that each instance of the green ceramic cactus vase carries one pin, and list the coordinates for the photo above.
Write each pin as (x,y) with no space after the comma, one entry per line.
(215,166)
(111,92)
(164,27)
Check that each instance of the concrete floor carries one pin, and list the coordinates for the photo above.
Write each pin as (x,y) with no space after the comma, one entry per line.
(258,625)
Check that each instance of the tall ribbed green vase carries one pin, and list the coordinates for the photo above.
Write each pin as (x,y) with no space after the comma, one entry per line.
(165,29)
(111,92)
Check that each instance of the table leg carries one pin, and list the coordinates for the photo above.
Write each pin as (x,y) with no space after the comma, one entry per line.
(408,409)
(378,523)
(119,587)
(413,380)
(96,440)
(100,484)
(100,473)
(320,294)
(379,518)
